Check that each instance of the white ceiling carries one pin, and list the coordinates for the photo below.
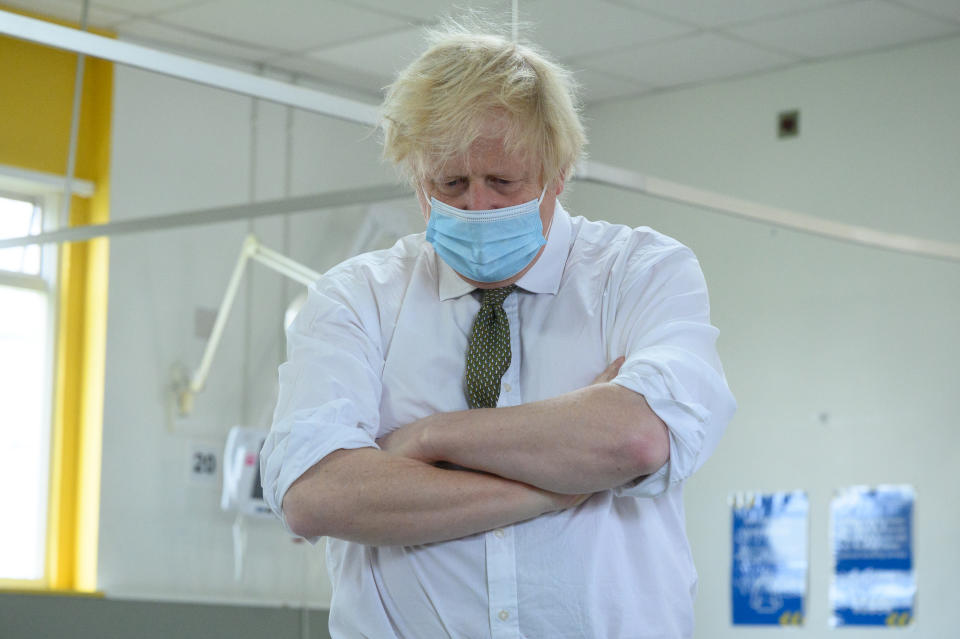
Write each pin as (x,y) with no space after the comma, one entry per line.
(617,48)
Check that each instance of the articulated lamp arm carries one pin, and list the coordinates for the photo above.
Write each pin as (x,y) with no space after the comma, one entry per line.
(251,249)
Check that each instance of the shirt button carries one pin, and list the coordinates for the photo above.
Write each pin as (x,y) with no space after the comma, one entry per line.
(506,387)
(499,533)
(504,615)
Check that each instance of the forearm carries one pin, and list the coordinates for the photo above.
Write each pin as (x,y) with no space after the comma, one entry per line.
(591,439)
(373,497)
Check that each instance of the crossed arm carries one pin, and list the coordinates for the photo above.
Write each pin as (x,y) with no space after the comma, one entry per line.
(533,459)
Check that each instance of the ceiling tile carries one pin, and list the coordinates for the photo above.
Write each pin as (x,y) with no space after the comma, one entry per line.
(714,13)
(847,28)
(142,7)
(567,28)
(597,86)
(701,58)
(289,25)
(380,56)
(70,10)
(344,81)
(949,9)
(166,37)
(429,10)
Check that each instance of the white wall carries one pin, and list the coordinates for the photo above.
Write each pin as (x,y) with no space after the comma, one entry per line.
(843,358)
(179,147)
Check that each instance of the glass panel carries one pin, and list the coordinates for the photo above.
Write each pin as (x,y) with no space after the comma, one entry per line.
(18,218)
(24,433)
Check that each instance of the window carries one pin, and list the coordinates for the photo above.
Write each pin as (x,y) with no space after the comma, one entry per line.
(26,338)
(19,217)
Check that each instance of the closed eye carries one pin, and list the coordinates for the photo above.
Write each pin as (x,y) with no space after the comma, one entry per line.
(451,185)
(504,185)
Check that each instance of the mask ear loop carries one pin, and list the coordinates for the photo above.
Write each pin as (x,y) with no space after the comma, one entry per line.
(426,200)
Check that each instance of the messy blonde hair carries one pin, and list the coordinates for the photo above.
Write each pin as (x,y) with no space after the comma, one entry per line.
(443,101)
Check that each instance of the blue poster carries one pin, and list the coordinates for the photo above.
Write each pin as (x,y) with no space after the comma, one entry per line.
(768,577)
(873,582)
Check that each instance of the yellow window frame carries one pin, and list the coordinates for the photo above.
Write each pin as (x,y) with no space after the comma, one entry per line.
(37,83)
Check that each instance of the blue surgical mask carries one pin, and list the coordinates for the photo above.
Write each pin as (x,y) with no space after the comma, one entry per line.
(486,246)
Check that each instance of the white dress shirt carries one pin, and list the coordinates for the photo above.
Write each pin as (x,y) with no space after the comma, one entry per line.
(381,343)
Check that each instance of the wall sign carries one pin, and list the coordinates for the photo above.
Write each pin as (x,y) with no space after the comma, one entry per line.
(768,576)
(873,581)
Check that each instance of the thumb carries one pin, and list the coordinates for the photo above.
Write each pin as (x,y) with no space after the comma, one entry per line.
(610,371)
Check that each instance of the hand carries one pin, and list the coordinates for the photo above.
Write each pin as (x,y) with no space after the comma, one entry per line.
(609,372)
(407,441)
(563,502)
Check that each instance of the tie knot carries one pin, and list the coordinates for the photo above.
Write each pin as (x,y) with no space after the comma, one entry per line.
(494,296)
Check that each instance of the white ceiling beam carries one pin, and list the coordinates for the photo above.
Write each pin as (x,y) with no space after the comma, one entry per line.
(320,201)
(185,68)
(713,201)
(594,172)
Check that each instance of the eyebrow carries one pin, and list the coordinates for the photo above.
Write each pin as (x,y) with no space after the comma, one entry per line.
(513,177)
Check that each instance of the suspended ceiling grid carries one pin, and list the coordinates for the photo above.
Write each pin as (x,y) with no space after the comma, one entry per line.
(617,48)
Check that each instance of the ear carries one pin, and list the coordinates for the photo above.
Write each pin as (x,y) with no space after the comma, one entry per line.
(561,181)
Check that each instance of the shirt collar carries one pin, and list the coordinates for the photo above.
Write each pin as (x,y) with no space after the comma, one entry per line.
(543,277)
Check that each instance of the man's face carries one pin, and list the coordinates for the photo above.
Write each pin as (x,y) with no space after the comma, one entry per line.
(488,177)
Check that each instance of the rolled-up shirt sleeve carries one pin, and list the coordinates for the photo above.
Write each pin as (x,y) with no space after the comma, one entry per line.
(661,324)
(329,386)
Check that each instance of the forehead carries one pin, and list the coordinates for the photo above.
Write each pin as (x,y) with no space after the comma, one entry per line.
(493,150)
(489,155)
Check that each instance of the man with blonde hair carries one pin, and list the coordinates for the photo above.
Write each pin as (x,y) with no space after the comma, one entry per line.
(492,421)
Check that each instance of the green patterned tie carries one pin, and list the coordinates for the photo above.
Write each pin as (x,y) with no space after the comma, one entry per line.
(488,350)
